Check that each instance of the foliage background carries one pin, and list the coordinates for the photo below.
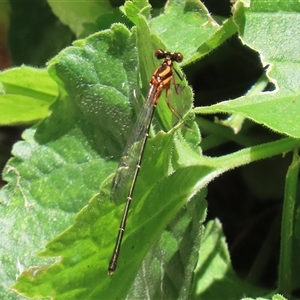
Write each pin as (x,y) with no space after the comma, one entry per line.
(248,200)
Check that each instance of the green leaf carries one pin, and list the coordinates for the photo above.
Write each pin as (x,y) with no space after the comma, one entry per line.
(85,18)
(26,94)
(91,237)
(279,109)
(192,15)
(214,276)
(166,269)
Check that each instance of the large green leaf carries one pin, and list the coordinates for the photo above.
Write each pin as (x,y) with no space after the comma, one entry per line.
(92,237)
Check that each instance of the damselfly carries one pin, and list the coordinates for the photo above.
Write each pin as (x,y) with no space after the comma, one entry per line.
(160,81)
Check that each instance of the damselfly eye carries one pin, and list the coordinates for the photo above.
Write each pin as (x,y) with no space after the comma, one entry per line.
(178,57)
(159,54)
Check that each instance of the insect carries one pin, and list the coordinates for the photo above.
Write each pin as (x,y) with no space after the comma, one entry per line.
(160,81)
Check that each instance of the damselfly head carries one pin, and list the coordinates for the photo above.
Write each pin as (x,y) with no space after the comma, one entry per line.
(173,56)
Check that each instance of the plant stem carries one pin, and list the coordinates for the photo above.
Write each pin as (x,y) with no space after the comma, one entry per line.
(287,228)
(251,154)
